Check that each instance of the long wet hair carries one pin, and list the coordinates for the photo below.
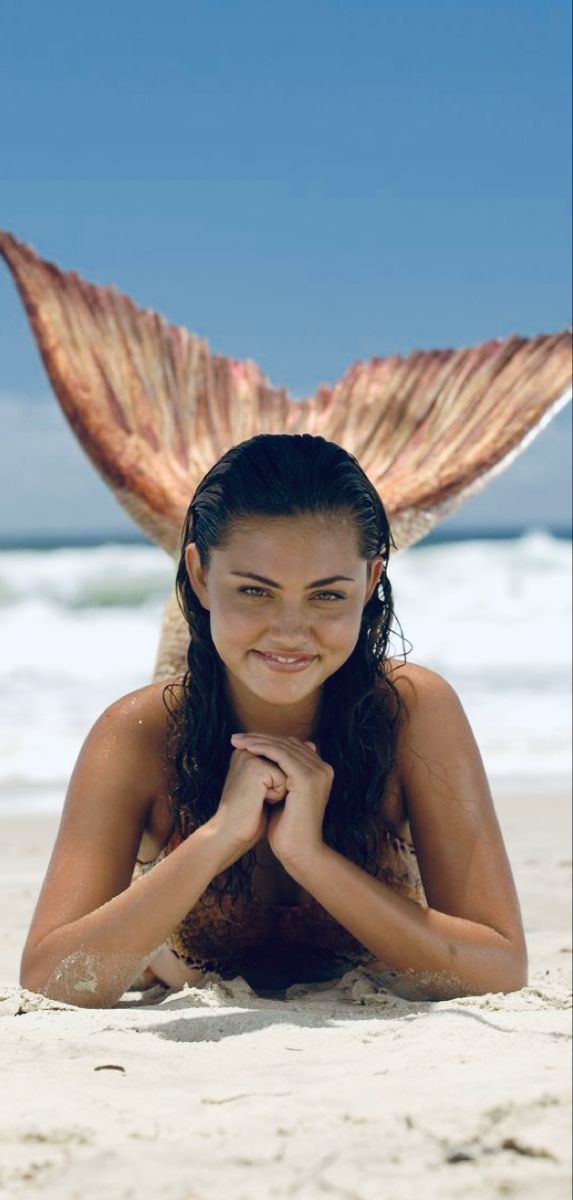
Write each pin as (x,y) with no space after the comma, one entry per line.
(283,475)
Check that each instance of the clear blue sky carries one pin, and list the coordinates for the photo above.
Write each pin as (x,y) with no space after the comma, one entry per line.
(301,184)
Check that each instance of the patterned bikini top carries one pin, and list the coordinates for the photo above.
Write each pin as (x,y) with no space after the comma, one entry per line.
(218,931)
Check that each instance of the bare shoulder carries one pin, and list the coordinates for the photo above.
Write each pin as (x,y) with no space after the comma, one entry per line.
(147,712)
(449,806)
(130,737)
(418,684)
(433,725)
(148,699)
(421,691)
(145,709)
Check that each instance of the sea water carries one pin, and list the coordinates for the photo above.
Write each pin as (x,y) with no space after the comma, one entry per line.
(79,627)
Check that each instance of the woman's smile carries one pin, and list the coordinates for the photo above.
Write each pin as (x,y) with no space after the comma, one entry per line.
(282,663)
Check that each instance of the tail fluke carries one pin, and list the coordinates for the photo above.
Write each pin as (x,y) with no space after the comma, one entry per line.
(154,409)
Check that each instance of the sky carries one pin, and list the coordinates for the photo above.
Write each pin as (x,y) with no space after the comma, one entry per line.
(304,185)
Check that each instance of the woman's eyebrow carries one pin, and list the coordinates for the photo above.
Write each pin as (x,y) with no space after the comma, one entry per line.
(271,583)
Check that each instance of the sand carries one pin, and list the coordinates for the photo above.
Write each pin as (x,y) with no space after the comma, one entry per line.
(341,1090)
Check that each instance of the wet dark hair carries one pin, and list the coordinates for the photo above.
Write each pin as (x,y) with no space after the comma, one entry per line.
(283,475)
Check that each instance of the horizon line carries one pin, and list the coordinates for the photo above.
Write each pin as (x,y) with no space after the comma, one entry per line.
(75,539)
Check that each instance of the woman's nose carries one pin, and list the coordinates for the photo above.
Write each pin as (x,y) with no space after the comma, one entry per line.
(293,623)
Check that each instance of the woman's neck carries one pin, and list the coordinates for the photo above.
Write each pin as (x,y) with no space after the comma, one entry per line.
(251,715)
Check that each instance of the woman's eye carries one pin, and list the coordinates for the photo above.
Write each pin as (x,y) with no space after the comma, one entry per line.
(319,595)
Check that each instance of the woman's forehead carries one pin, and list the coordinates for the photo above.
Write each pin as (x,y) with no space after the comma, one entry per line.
(323,530)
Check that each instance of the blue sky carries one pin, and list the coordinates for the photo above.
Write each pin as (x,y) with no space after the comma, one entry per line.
(301,184)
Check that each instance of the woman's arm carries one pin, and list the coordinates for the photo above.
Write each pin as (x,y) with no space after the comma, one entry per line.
(92,933)
(470,940)
(445,956)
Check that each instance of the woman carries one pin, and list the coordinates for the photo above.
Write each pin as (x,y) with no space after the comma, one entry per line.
(302,802)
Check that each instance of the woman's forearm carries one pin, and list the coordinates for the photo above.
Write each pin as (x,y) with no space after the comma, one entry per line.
(445,956)
(92,961)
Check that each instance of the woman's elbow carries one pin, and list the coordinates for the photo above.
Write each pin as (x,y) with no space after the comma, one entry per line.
(520,979)
(77,988)
(513,977)
(518,968)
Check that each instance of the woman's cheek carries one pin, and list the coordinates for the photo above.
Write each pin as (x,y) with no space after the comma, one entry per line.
(234,623)
(348,623)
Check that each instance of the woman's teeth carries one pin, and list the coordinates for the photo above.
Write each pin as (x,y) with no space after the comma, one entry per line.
(286,660)
(275,658)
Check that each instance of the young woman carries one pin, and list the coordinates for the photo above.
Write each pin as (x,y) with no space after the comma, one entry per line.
(299,803)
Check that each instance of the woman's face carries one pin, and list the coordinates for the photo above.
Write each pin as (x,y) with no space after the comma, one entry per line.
(289,610)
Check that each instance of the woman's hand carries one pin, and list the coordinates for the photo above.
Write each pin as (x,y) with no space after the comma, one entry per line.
(242,815)
(294,827)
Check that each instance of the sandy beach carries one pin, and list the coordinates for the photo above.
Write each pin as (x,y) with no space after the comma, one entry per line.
(341,1090)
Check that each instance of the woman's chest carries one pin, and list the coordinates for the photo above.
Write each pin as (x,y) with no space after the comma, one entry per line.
(271,882)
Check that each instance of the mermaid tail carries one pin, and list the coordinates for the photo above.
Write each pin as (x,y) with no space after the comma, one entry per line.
(154,409)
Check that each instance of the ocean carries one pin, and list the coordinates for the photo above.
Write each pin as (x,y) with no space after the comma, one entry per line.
(79,627)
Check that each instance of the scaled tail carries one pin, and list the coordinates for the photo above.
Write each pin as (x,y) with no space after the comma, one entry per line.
(154,410)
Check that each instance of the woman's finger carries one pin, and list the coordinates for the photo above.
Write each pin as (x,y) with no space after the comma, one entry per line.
(276,793)
(288,755)
(266,744)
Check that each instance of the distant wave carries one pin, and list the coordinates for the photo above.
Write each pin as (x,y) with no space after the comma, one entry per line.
(106,576)
(79,627)
(126,575)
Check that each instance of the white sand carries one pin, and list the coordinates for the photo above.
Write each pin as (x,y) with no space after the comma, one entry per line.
(340,1091)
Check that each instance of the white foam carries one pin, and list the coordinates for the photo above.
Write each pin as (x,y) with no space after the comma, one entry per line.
(80,627)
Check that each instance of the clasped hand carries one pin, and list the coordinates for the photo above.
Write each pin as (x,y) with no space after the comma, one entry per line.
(294,826)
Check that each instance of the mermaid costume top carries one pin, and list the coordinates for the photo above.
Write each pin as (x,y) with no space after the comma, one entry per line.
(288,940)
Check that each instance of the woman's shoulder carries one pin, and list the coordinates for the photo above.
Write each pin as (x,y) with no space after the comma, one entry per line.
(430,706)
(143,716)
(143,702)
(413,675)
(425,697)
(418,686)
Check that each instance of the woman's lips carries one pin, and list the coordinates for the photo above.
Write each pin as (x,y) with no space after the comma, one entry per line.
(288,668)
